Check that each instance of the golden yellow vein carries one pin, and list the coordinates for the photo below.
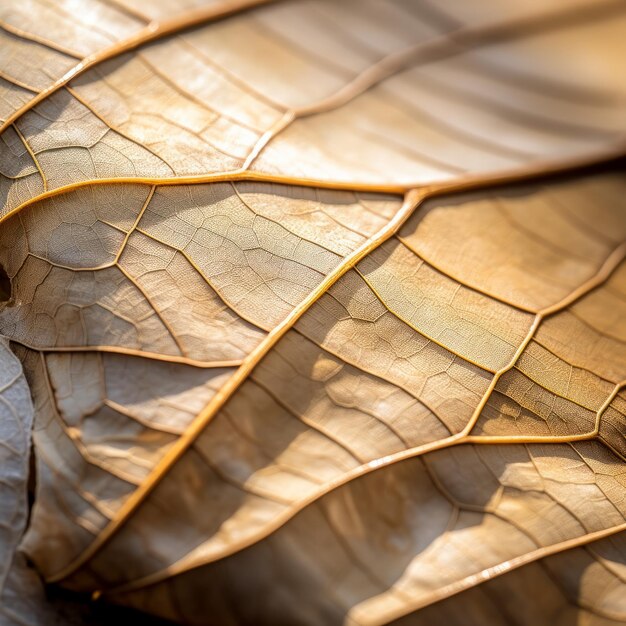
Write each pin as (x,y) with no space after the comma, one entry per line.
(18,83)
(606,404)
(151,356)
(539,168)
(497,439)
(73,434)
(607,268)
(237,175)
(420,331)
(113,127)
(495,571)
(33,156)
(51,45)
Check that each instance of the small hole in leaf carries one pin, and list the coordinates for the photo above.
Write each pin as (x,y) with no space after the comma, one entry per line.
(5,285)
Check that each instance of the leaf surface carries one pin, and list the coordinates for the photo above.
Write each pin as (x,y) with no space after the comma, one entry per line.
(311,336)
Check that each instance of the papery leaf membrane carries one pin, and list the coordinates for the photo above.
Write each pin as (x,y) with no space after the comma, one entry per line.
(311,337)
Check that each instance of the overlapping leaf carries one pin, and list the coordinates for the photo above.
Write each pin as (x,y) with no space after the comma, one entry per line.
(275,403)
(20,590)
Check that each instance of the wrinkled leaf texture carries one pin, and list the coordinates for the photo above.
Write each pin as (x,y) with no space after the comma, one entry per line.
(323,318)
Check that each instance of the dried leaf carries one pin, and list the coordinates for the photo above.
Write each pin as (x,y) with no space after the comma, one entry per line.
(311,337)
(20,589)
